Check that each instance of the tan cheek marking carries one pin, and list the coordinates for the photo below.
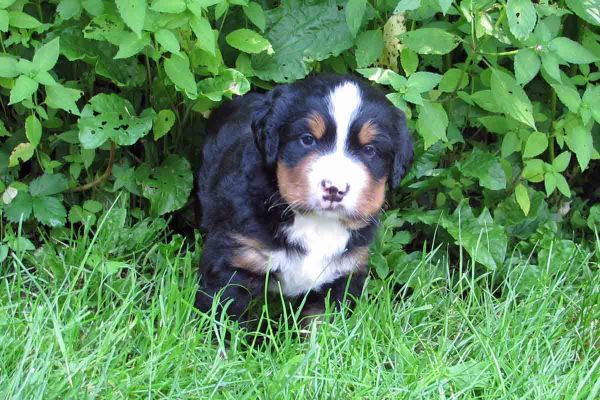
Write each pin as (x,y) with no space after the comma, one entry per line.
(372,197)
(316,124)
(251,255)
(367,133)
(293,182)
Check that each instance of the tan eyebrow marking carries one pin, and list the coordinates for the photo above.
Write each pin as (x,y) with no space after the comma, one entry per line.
(316,124)
(367,133)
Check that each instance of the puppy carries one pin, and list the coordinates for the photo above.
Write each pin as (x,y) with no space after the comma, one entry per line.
(290,187)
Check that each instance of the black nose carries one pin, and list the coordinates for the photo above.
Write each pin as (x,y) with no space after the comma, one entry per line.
(332,193)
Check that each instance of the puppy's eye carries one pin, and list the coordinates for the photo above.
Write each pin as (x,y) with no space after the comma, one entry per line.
(307,139)
(369,151)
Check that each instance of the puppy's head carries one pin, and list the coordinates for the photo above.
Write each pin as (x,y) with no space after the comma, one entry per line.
(335,142)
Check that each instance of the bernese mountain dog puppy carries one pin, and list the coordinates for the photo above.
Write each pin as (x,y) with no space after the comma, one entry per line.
(290,188)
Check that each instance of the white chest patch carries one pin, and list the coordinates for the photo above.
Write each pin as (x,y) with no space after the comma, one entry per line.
(324,239)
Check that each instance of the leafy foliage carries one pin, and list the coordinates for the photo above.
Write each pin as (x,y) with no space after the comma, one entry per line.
(102,99)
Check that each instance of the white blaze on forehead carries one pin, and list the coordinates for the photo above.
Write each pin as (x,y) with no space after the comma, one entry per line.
(338,167)
(344,103)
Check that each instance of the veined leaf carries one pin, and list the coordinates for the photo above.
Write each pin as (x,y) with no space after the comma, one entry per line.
(133,13)
(522,198)
(432,123)
(521,17)
(430,41)
(586,9)
(170,185)
(571,51)
(301,34)
(511,98)
(248,41)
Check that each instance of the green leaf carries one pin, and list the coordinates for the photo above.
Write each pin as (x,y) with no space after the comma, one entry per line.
(485,99)
(163,122)
(204,34)
(78,215)
(571,51)
(551,65)
(23,89)
(48,185)
(68,9)
(586,9)
(536,144)
(407,5)
(561,162)
(384,77)
(355,10)
(580,141)
(125,178)
(423,81)
(93,7)
(178,71)
(485,167)
(248,41)
(522,198)
(569,96)
(4,18)
(256,15)
(549,183)
(170,185)
(8,67)
(133,13)
(430,41)
(130,45)
(33,130)
(521,17)
(369,48)
(64,98)
(484,240)
(432,123)
(301,33)
(511,98)
(45,57)
(444,5)
(527,66)
(381,266)
(534,170)
(19,208)
(591,99)
(169,6)
(168,40)
(92,206)
(230,82)
(510,144)
(19,19)
(109,116)
(23,151)
(562,185)
(49,211)
(454,79)
(409,60)
(6,3)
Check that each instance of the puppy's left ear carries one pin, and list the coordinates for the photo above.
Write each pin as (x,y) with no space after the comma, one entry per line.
(403,150)
(265,127)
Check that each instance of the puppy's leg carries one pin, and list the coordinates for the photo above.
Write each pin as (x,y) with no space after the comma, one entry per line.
(344,290)
(234,289)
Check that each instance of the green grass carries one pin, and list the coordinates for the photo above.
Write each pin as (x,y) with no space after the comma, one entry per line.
(112,317)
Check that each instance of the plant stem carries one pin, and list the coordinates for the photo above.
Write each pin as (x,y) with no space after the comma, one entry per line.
(101,178)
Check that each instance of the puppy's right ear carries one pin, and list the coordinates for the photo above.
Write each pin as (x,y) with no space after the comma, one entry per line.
(265,125)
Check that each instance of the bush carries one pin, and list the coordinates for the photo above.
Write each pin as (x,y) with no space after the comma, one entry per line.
(101,99)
